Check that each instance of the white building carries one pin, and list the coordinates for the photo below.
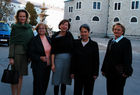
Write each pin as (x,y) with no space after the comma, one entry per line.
(100,15)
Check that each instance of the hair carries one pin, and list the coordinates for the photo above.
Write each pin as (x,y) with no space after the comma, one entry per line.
(86,26)
(119,24)
(39,24)
(64,21)
(26,12)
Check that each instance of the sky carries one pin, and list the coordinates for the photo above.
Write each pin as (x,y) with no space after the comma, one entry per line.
(57,3)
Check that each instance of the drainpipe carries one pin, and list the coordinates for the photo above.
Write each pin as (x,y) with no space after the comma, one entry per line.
(106,35)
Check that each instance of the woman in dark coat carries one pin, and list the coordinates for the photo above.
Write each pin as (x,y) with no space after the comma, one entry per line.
(39,52)
(85,62)
(62,44)
(117,62)
(21,35)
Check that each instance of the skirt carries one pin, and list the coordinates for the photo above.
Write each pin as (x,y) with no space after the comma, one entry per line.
(62,69)
(21,64)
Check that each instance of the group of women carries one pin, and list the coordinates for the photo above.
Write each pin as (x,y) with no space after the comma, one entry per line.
(68,58)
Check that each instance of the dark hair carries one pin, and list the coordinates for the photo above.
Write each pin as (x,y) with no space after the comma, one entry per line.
(119,24)
(86,26)
(22,10)
(63,21)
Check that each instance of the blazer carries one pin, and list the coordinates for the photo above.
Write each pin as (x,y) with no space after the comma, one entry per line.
(118,58)
(36,50)
(85,60)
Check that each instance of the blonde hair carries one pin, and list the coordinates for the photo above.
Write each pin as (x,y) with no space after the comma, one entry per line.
(43,24)
(27,15)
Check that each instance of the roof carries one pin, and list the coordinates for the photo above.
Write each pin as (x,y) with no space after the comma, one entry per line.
(15,1)
(68,0)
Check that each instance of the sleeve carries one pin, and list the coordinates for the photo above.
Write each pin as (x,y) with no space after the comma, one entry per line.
(105,61)
(11,51)
(53,46)
(33,52)
(73,60)
(128,59)
(96,66)
(11,46)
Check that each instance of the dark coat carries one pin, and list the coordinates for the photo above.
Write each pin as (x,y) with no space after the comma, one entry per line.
(118,58)
(40,69)
(85,60)
(62,44)
(36,50)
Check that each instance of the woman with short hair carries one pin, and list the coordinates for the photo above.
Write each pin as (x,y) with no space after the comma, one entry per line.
(85,62)
(117,62)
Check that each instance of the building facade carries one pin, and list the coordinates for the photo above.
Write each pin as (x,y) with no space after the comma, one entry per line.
(101,15)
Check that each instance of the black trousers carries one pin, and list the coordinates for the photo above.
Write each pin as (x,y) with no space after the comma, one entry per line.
(41,75)
(85,84)
(115,85)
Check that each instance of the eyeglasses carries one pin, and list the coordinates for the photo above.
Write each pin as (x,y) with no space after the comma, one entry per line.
(41,28)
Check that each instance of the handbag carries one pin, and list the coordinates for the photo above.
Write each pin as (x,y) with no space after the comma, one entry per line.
(10,76)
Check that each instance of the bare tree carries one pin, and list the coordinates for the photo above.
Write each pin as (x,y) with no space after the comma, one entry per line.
(5,9)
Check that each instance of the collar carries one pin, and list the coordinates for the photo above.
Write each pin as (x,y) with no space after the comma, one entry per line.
(118,39)
(86,41)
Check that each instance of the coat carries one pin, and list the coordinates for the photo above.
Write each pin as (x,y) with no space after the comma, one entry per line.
(85,60)
(36,50)
(118,58)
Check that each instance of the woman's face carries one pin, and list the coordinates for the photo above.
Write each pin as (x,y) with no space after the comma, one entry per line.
(41,30)
(22,17)
(117,31)
(84,33)
(64,27)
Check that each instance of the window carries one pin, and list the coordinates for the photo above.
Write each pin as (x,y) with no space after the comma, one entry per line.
(96,5)
(70,9)
(135,5)
(95,18)
(133,19)
(69,19)
(77,18)
(117,6)
(78,5)
(116,19)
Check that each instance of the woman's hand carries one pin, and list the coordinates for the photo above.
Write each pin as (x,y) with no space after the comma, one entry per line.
(43,58)
(11,61)
(103,73)
(124,75)
(72,76)
(53,68)
(94,77)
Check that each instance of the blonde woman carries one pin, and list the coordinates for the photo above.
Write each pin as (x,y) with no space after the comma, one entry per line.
(21,34)
(39,52)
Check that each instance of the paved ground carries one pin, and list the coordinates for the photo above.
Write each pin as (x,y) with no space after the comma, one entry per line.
(132,85)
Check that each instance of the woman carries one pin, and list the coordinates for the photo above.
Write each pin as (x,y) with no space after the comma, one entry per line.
(85,62)
(39,52)
(117,62)
(21,34)
(62,44)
